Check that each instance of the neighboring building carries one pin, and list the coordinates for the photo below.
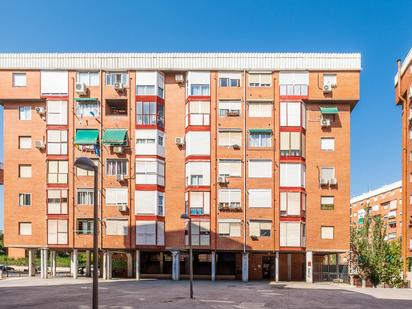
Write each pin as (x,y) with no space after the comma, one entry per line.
(385,201)
(403,93)
(255,146)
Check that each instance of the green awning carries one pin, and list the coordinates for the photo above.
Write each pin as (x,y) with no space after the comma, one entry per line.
(330,110)
(86,137)
(260,130)
(85,99)
(114,137)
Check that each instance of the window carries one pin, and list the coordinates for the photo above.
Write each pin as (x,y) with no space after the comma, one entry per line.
(294,83)
(116,196)
(229,79)
(291,234)
(230,108)
(24,142)
(117,227)
(199,90)
(327,173)
(149,142)
(197,113)
(290,203)
(84,226)
(199,202)
(150,113)
(88,109)
(260,228)
(260,109)
(24,171)
(88,78)
(25,113)
(82,172)
(292,175)
(230,168)
(57,232)
(229,199)
(24,199)
(57,142)
(260,169)
(326,232)
(327,143)
(229,137)
(200,233)
(330,80)
(145,90)
(150,83)
(85,196)
(327,202)
(56,201)
(198,143)
(54,82)
(145,141)
(25,228)
(229,227)
(198,83)
(146,232)
(150,171)
(198,173)
(260,80)
(116,167)
(260,139)
(149,203)
(57,172)
(260,198)
(292,144)
(57,112)
(19,80)
(116,77)
(116,108)
(292,114)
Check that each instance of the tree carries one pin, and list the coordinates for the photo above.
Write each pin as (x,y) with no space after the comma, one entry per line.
(372,256)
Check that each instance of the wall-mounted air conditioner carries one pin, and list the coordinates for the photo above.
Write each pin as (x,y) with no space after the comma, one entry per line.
(119,86)
(39,144)
(180,141)
(81,88)
(179,78)
(222,179)
(122,207)
(118,149)
(120,177)
(325,122)
(323,182)
(40,110)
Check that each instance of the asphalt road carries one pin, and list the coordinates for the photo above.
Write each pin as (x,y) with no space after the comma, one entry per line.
(170,294)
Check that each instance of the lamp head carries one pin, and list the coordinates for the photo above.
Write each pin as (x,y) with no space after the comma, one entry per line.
(85,164)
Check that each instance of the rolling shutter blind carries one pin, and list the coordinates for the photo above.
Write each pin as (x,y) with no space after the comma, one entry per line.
(327,232)
(294,114)
(283,233)
(293,234)
(293,203)
(198,143)
(254,78)
(283,201)
(146,202)
(54,82)
(160,233)
(224,228)
(260,169)
(145,232)
(25,228)
(116,227)
(260,198)
(254,228)
(284,141)
(295,140)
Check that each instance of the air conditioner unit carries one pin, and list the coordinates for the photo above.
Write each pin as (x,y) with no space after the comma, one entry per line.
(81,88)
(179,78)
(236,146)
(234,112)
(119,86)
(180,141)
(40,110)
(39,144)
(327,88)
(122,207)
(323,182)
(117,149)
(120,177)
(222,179)
(325,122)
(333,182)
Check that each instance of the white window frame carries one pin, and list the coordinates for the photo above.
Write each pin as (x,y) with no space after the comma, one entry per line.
(119,194)
(90,82)
(234,198)
(62,172)
(260,82)
(25,142)
(263,140)
(25,170)
(111,78)
(86,108)
(288,117)
(231,140)
(200,233)
(260,225)
(57,112)
(84,196)
(61,232)
(28,230)
(229,227)
(24,113)
(204,206)
(121,167)
(226,167)
(287,203)
(258,109)
(327,143)
(19,79)
(148,175)
(24,198)
(120,227)
(58,146)
(255,197)
(323,170)
(326,231)
(266,173)
(61,199)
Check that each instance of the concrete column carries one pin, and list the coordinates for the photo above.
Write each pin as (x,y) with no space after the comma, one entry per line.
(289,267)
(74,263)
(137,266)
(162,260)
(44,264)
(109,264)
(32,269)
(176,265)
(337,266)
(88,265)
(309,267)
(42,271)
(213,265)
(53,263)
(245,267)
(104,270)
(277,266)
(129,265)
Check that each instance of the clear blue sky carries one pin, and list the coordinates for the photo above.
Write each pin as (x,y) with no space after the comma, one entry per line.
(380,30)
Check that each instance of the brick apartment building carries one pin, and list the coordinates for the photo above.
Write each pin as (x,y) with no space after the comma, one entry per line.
(254,146)
(403,94)
(385,201)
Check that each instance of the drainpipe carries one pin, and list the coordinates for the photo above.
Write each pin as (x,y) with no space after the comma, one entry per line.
(131,159)
(404,169)
(102,110)
(244,162)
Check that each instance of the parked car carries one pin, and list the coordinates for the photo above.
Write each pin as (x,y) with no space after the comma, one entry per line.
(6,268)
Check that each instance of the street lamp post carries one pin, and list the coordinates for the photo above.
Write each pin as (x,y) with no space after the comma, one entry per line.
(187,217)
(88,165)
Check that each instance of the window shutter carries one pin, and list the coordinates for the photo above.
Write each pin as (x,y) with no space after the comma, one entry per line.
(283,234)
(260,169)
(52,232)
(62,231)
(266,79)
(145,202)
(160,233)
(293,203)
(293,234)
(254,228)
(284,141)
(224,228)
(54,82)
(295,140)
(254,78)
(283,114)
(25,228)
(283,201)
(235,229)
(327,232)
(260,198)
(294,114)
